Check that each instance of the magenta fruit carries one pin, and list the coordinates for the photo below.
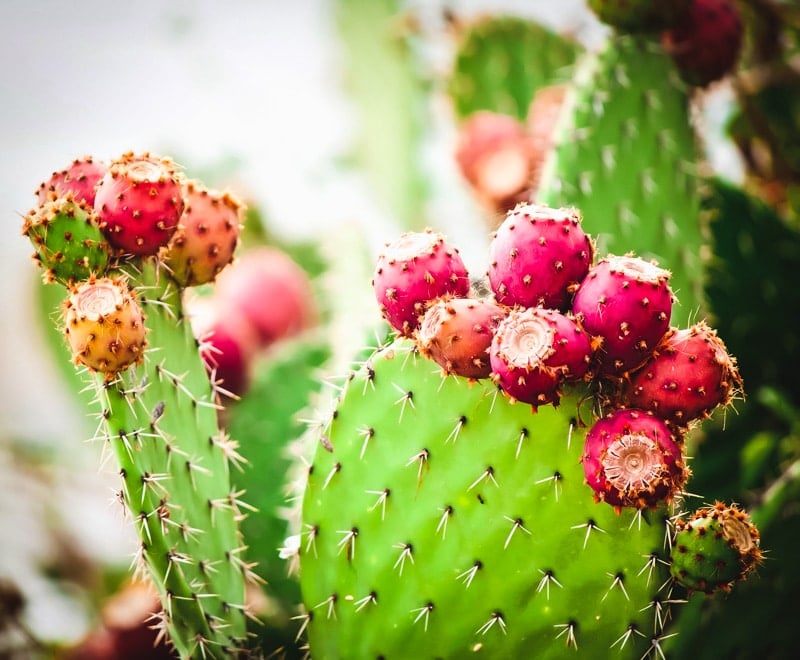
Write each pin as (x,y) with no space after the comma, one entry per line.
(456,333)
(626,302)
(535,351)
(495,155)
(707,41)
(139,202)
(632,459)
(271,290)
(104,326)
(207,235)
(539,256)
(80,179)
(413,270)
(690,374)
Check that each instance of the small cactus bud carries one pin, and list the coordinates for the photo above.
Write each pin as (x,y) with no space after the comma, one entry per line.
(714,548)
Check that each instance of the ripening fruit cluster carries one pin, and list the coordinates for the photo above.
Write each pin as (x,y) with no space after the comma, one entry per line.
(556,315)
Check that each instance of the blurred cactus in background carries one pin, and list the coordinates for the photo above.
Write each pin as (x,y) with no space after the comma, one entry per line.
(580,441)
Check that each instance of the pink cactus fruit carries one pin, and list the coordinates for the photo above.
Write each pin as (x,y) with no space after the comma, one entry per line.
(272,291)
(539,256)
(104,325)
(207,235)
(689,375)
(80,178)
(412,271)
(456,333)
(535,351)
(495,155)
(626,302)
(707,41)
(228,343)
(139,202)
(632,459)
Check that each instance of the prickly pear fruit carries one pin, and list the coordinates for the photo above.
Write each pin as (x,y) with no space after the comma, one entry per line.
(535,351)
(412,271)
(714,548)
(443,521)
(271,290)
(538,256)
(705,44)
(139,202)
(207,235)
(639,15)
(689,375)
(456,334)
(104,326)
(632,459)
(495,155)
(68,241)
(626,302)
(79,179)
(228,343)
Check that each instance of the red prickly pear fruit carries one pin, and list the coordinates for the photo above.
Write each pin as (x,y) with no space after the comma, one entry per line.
(104,325)
(412,271)
(632,459)
(717,546)
(639,15)
(271,290)
(228,343)
(456,333)
(139,202)
(689,375)
(80,179)
(207,235)
(535,351)
(705,44)
(538,257)
(494,154)
(626,302)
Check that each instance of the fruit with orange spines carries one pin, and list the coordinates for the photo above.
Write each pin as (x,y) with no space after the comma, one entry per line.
(79,179)
(104,326)
(535,351)
(688,377)
(139,202)
(539,256)
(633,459)
(456,333)
(412,271)
(206,237)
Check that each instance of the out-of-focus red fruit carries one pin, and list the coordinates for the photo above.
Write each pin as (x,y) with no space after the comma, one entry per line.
(228,342)
(494,155)
(543,114)
(271,291)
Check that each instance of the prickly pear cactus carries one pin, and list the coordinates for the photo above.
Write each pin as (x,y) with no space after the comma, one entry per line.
(156,405)
(441,520)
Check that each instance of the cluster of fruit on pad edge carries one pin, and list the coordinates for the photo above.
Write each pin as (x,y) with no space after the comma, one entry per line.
(126,238)
(555,317)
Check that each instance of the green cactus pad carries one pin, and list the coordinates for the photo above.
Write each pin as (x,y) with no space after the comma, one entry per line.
(501,61)
(441,520)
(626,156)
(68,241)
(160,420)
